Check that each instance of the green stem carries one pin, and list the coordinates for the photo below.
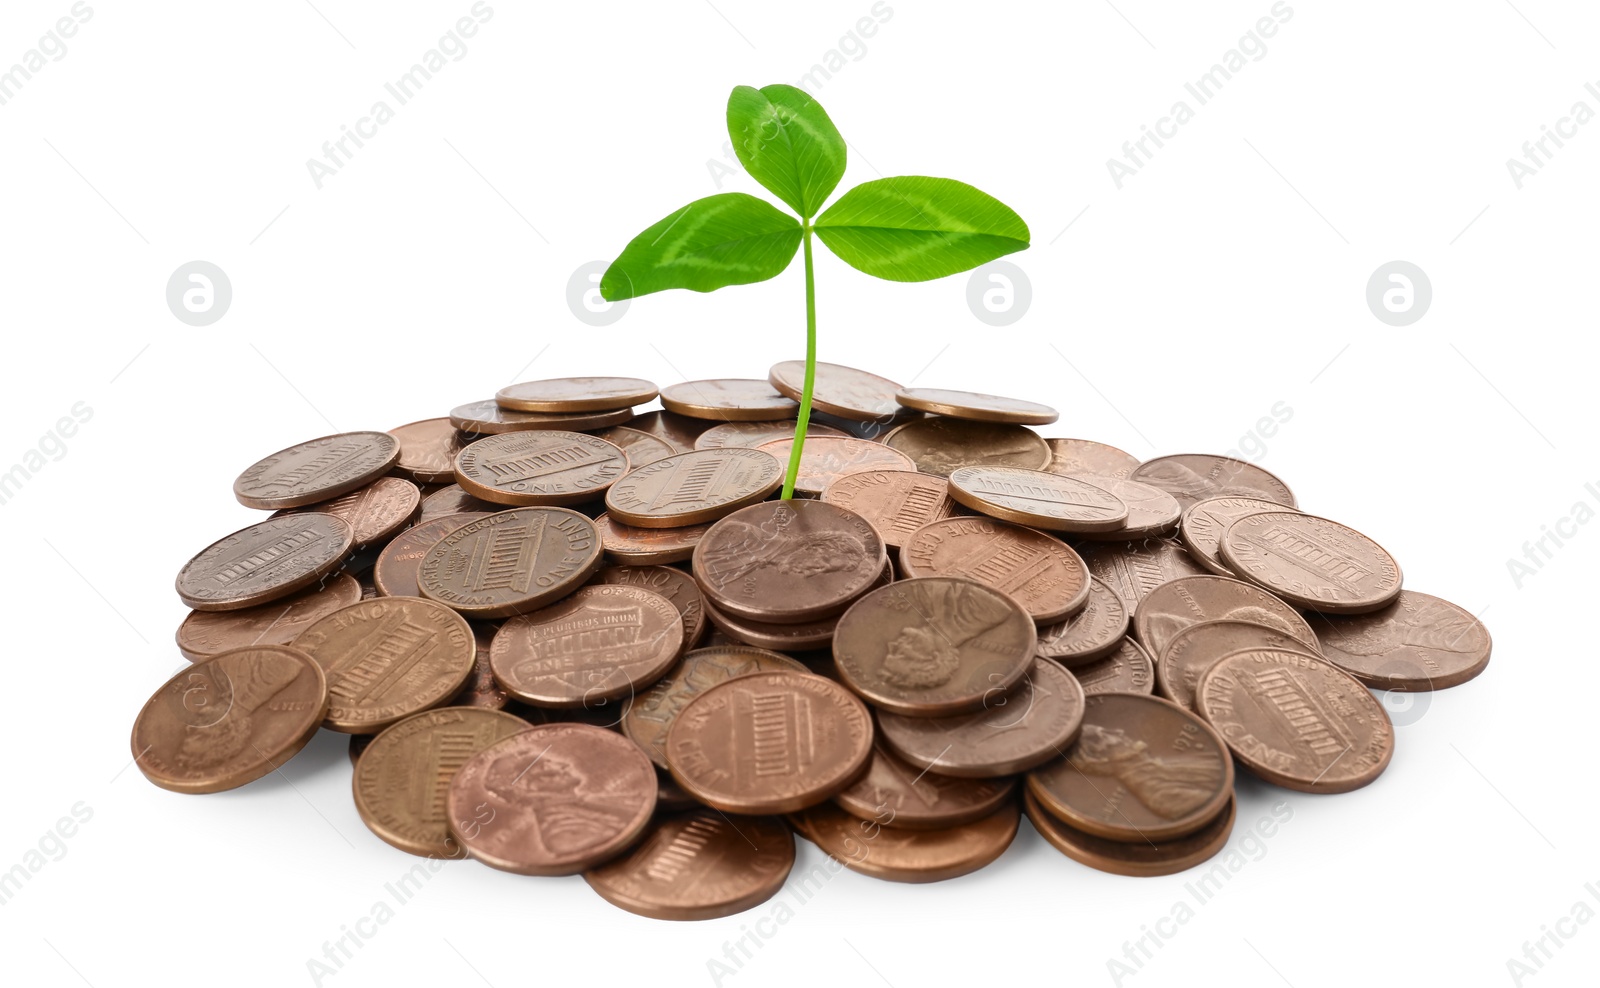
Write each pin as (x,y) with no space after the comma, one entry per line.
(811,372)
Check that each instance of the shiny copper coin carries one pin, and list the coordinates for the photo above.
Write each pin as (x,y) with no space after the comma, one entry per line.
(488,418)
(1312,562)
(1129,669)
(1193,650)
(601,643)
(1296,720)
(546,467)
(728,400)
(1205,522)
(897,793)
(915,856)
(480,689)
(679,430)
(895,502)
(1072,457)
(648,546)
(1189,600)
(976,407)
(575,394)
(316,470)
(839,390)
(1133,569)
(206,633)
(934,646)
(649,714)
(787,562)
(511,562)
(941,446)
(1142,770)
(552,800)
(699,865)
(769,742)
(1039,499)
(1042,574)
(1017,728)
(674,585)
(1090,634)
(1417,643)
(404,773)
(265,562)
(394,574)
(826,459)
(753,434)
(428,450)
(640,447)
(230,719)
(453,500)
(1193,477)
(693,488)
(1152,512)
(374,512)
(1141,859)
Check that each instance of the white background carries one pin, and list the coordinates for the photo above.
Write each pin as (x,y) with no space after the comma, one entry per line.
(1167,316)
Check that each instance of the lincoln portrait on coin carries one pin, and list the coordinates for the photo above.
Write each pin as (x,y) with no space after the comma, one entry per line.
(742,549)
(566,814)
(225,722)
(939,617)
(1170,786)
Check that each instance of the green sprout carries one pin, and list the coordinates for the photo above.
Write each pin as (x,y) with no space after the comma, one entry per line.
(909,228)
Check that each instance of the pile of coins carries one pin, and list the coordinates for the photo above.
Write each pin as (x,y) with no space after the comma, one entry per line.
(568,638)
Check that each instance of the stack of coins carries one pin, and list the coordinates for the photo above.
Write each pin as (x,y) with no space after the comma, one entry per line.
(565,637)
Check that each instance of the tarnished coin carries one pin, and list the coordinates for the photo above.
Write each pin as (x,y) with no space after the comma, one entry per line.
(693,488)
(575,394)
(1194,477)
(941,446)
(601,643)
(1141,859)
(1417,643)
(388,658)
(511,562)
(1042,574)
(1296,720)
(787,562)
(648,546)
(453,500)
(553,800)
(403,774)
(1152,512)
(394,574)
(1090,634)
(934,646)
(1129,669)
(316,470)
(546,467)
(229,719)
(976,406)
(825,459)
(206,633)
(917,856)
(488,418)
(265,562)
(1205,522)
(374,512)
(840,391)
(1191,651)
(428,450)
(728,400)
(640,447)
(895,502)
(898,793)
(1189,600)
(753,434)
(650,713)
(769,742)
(1142,770)
(1071,457)
(699,865)
(1039,499)
(676,586)
(1312,562)
(679,430)
(1017,728)
(1133,569)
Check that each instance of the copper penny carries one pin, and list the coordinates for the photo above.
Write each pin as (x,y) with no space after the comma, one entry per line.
(1151,510)
(895,502)
(787,562)
(1140,859)
(648,546)
(840,391)
(915,856)
(649,714)
(1189,600)
(229,719)
(1417,643)
(575,394)
(1133,569)
(1129,669)
(728,400)
(676,586)
(699,865)
(206,633)
(1296,720)
(1193,477)
(601,643)
(394,574)
(1017,728)
(640,447)
(679,430)
(480,689)
(1091,633)
(316,470)
(976,406)
(1042,574)
(934,646)
(941,446)
(693,488)
(769,742)
(265,562)
(897,793)
(553,800)
(778,637)
(825,459)
(453,500)
(488,418)
(511,562)
(1142,770)
(753,434)
(1205,522)
(404,773)
(1312,562)
(547,467)
(374,512)
(1071,457)
(428,450)
(1194,649)
(1039,499)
